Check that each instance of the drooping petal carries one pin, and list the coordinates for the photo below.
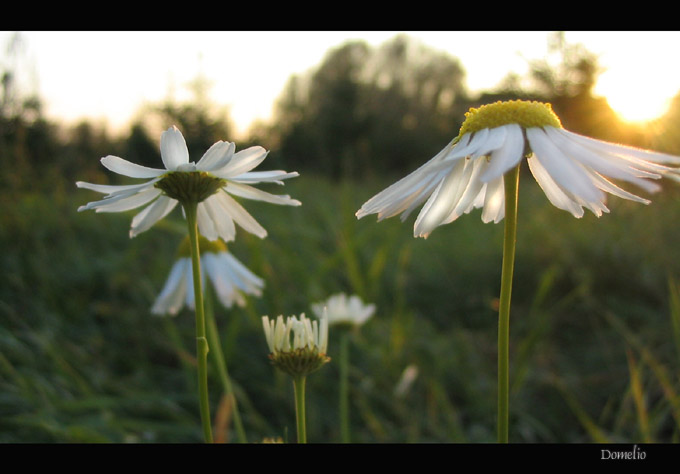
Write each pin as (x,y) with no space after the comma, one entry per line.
(190,296)
(444,199)
(607,186)
(118,196)
(469,144)
(217,156)
(398,197)
(567,173)
(174,151)
(220,217)
(112,189)
(475,185)
(127,168)
(628,152)
(130,202)
(494,201)
(507,156)
(206,224)
(219,277)
(493,141)
(170,299)
(605,163)
(251,283)
(240,215)
(152,214)
(552,190)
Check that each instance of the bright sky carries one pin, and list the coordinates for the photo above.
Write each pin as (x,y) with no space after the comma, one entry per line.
(110,75)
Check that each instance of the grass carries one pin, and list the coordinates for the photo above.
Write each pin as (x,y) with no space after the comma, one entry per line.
(594,349)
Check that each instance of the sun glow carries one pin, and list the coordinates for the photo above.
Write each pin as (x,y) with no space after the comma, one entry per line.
(635,100)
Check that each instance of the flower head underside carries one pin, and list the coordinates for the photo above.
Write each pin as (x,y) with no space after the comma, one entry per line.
(210,183)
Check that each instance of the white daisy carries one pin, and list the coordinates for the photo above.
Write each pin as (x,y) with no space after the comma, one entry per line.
(220,173)
(229,277)
(297,345)
(574,171)
(340,309)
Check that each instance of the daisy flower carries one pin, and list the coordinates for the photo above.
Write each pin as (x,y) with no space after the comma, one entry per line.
(229,277)
(343,310)
(574,171)
(220,174)
(296,345)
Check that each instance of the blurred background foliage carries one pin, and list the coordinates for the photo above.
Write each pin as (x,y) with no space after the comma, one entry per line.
(595,331)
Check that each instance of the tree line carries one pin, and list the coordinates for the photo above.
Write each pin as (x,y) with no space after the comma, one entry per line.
(364,111)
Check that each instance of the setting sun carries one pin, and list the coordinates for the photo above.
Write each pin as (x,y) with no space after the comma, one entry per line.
(638,93)
(633,106)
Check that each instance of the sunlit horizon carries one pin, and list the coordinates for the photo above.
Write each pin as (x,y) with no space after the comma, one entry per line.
(116,73)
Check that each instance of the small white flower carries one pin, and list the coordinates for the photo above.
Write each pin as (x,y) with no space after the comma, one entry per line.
(292,333)
(229,277)
(222,167)
(574,171)
(341,309)
(297,346)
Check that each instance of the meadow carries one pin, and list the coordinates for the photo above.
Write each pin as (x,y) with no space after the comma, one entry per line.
(595,323)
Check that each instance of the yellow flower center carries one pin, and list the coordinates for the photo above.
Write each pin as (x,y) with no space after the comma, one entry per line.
(524,113)
(204,245)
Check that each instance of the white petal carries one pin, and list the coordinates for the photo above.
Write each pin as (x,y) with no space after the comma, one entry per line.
(115,189)
(564,171)
(220,217)
(253,177)
(169,301)
(241,162)
(130,202)
(117,196)
(190,296)
(444,199)
(217,156)
(206,225)
(494,140)
(251,282)
(628,152)
(249,192)
(469,144)
(399,196)
(494,201)
(174,150)
(474,187)
(217,273)
(417,198)
(240,215)
(152,214)
(126,168)
(602,162)
(552,190)
(609,187)
(506,156)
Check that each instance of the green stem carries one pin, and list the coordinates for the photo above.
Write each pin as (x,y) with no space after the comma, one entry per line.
(509,239)
(299,385)
(190,211)
(221,362)
(344,387)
